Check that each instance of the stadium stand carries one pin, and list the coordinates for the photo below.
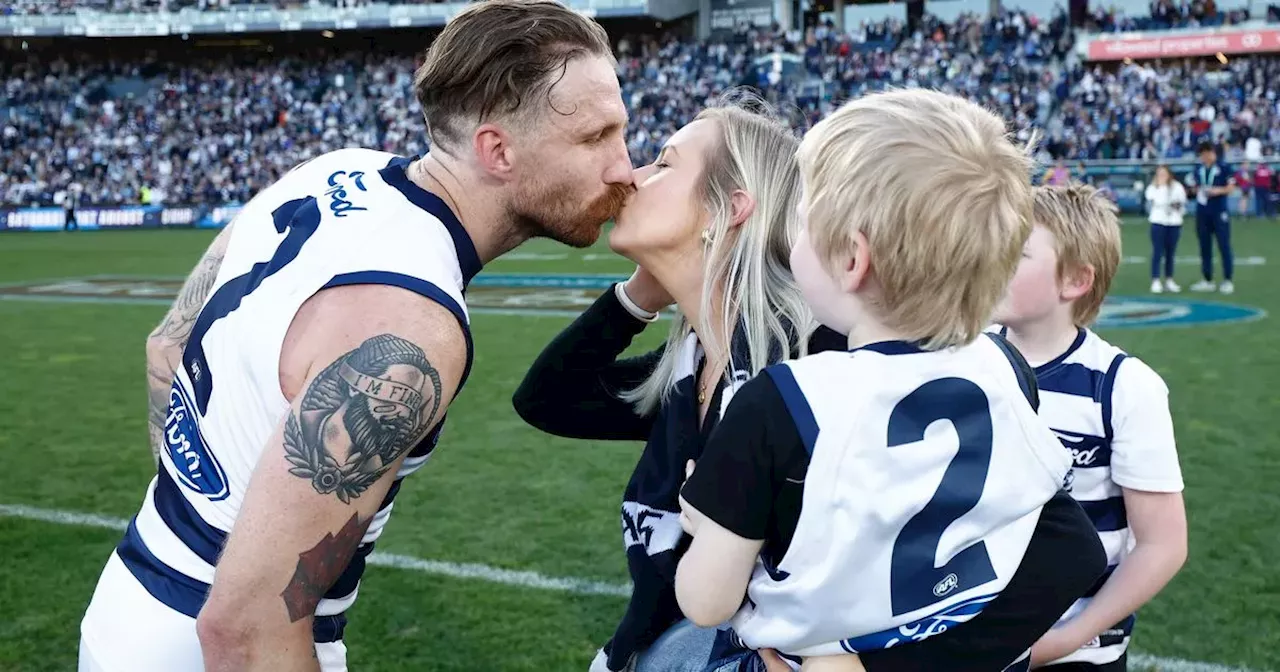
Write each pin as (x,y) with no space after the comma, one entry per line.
(127,129)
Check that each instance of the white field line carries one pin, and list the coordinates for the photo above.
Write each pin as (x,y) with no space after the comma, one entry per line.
(523,579)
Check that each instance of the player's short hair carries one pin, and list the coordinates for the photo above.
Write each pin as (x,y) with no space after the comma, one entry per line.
(943,196)
(1086,232)
(499,58)
(1205,146)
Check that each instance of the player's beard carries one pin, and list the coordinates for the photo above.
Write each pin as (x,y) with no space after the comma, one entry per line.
(561,215)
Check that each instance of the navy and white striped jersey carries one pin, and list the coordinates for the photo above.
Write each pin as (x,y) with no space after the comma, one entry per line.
(323,225)
(1112,412)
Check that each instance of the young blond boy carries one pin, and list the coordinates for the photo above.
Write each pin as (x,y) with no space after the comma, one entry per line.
(868,499)
(1110,410)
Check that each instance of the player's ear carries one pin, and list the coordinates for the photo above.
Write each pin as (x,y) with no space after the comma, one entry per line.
(1077,283)
(493,148)
(854,266)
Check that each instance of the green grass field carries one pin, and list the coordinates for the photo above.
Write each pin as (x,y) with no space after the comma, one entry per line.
(498,493)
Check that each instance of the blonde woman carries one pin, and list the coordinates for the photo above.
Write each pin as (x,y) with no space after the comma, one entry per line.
(711,226)
(1167,200)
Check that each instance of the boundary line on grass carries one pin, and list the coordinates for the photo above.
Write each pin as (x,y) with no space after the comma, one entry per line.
(520,578)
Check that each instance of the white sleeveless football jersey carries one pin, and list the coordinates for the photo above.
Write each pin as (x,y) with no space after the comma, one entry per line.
(928,472)
(344,218)
(1111,411)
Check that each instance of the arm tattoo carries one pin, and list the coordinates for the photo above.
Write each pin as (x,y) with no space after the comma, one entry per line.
(320,567)
(361,414)
(171,336)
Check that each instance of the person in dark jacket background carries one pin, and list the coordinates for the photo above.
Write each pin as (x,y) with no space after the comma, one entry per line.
(711,227)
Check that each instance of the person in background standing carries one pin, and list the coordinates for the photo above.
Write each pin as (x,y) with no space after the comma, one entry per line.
(1166,200)
(1244,178)
(1213,183)
(1262,179)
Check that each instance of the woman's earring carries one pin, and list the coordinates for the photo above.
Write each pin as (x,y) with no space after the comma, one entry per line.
(706,236)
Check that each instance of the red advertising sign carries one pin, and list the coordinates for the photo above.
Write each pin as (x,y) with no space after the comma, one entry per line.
(1146,45)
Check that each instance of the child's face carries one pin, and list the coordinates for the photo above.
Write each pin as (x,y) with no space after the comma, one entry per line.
(1035,291)
(821,291)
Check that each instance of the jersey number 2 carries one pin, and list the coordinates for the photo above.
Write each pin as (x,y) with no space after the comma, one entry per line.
(914,580)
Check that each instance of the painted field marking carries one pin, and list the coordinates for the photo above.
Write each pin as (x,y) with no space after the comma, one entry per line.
(519,578)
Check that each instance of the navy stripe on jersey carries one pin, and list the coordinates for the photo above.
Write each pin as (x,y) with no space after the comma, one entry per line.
(207,541)
(418,286)
(1108,515)
(797,405)
(202,538)
(186,595)
(394,174)
(1074,379)
(173,588)
(1109,384)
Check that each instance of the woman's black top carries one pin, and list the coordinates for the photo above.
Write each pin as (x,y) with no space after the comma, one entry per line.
(572,390)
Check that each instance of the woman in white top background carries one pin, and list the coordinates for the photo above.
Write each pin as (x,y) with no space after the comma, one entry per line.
(1166,200)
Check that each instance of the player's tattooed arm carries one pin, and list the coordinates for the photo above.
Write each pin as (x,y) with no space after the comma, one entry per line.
(167,340)
(363,402)
(360,414)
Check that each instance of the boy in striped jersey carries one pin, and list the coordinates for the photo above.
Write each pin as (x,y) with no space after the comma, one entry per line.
(1110,410)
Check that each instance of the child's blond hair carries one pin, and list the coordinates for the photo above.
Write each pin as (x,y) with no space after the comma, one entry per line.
(1086,231)
(942,195)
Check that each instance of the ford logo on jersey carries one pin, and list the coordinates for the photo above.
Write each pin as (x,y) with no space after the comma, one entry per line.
(196,467)
(337,192)
(946,585)
(1085,458)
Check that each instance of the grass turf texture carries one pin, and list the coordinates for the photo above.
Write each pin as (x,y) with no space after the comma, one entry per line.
(73,437)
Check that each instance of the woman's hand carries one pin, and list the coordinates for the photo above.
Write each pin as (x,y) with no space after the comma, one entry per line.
(646,292)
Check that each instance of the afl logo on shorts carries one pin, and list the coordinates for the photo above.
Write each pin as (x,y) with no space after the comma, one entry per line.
(194,465)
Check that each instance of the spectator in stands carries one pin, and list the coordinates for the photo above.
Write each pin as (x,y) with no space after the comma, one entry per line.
(1166,202)
(216,129)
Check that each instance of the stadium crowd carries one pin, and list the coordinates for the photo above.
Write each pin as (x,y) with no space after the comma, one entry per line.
(219,129)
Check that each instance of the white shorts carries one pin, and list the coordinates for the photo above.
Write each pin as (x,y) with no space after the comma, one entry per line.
(125,629)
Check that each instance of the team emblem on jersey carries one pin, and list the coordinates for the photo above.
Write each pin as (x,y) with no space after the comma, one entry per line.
(195,466)
(948,583)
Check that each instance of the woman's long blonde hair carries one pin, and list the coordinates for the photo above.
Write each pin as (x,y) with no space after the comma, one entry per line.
(750,262)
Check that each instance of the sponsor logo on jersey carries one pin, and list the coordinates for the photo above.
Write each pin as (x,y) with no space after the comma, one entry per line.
(1085,458)
(946,585)
(194,465)
(339,203)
